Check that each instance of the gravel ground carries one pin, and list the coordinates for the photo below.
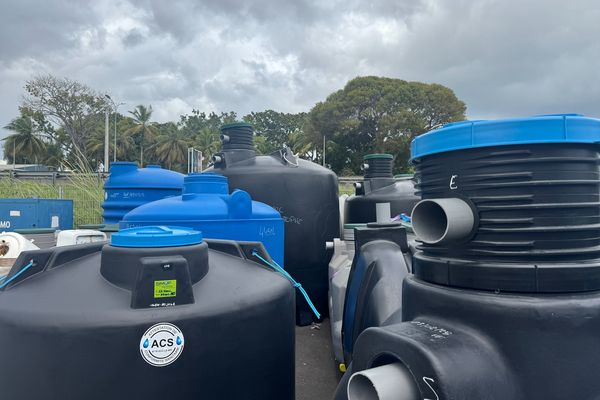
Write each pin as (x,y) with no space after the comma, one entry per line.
(316,371)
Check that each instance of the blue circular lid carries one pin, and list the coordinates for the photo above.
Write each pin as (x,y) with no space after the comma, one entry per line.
(156,236)
(554,128)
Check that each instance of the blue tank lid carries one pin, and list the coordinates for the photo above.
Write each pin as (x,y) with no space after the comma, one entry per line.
(553,128)
(156,236)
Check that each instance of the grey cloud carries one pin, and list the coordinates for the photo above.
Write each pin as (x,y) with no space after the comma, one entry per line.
(502,57)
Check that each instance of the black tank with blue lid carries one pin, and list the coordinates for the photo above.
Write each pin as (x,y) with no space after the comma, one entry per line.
(155,311)
(518,200)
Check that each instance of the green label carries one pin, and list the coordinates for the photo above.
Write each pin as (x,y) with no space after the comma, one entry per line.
(165,289)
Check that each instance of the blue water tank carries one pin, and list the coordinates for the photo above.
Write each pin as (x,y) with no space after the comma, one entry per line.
(35,213)
(128,187)
(207,206)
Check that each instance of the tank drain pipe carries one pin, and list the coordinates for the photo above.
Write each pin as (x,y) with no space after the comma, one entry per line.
(387,382)
(286,275)
(440,221)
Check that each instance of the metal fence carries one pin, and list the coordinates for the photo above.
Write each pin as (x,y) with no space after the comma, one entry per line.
(86,191)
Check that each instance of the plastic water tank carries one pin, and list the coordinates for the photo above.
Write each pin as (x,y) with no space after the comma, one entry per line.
(379,187)
(506,271)
(128,187)
(339,271)
(305,194)
(206,205)
(154,312)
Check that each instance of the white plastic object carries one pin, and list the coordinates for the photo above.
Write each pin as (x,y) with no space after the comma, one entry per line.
(387,382)
(339,271)
(79,236)
(342,204)
(383,212)
(12,244)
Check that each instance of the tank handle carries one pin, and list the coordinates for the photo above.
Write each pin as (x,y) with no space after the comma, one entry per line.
(4,282)
(287,156)
(286,275)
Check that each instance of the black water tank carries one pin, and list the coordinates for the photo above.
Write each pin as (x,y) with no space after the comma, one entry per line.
(379,186)
(535,206)
(305,194)
(507,273)
(155,315)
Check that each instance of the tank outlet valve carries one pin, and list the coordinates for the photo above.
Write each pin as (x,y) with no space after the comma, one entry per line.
(217,159)
(388,382)
(225,139)
(438,221)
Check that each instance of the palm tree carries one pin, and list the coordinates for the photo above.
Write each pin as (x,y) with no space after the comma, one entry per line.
(207,141)
(26,140)
(299,143)
(125,148)
(143,127)
(172,145)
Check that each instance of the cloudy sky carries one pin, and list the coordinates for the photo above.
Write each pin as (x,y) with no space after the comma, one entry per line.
(502,57)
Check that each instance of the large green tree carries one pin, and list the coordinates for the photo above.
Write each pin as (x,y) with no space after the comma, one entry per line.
(374,114)
(69,105)
(276,127)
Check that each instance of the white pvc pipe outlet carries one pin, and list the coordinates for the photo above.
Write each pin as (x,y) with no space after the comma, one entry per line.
(383,212)
(388,382)
(437,221)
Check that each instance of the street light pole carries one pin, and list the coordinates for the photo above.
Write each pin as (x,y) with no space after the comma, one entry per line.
(106,141)
(115,108)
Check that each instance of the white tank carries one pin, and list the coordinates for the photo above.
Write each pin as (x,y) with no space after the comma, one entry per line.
(79,236)
(339,271)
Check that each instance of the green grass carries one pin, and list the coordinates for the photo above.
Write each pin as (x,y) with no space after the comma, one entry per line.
(86,192)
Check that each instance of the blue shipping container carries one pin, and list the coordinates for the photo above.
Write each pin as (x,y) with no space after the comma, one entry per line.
(35,213)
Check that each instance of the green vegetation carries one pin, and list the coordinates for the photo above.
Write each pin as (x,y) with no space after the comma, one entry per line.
(62,122)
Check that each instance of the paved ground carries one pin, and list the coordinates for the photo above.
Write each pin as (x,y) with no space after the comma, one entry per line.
(316,370)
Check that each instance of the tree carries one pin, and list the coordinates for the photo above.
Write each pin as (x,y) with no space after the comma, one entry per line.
(68,104)
(373,114)
(276,127)
(171,147)
(26,141)
(144,129)
(195,122)
(126,145)
(207,141)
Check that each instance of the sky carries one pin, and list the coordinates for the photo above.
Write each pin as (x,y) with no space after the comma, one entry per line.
(503,58)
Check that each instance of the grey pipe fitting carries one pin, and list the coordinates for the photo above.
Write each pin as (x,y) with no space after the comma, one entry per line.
(388,382)
(438,221)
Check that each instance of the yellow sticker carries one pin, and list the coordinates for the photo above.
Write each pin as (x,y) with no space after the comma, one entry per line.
(164,289)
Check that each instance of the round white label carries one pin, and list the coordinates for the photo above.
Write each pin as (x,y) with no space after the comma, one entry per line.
(162,344)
